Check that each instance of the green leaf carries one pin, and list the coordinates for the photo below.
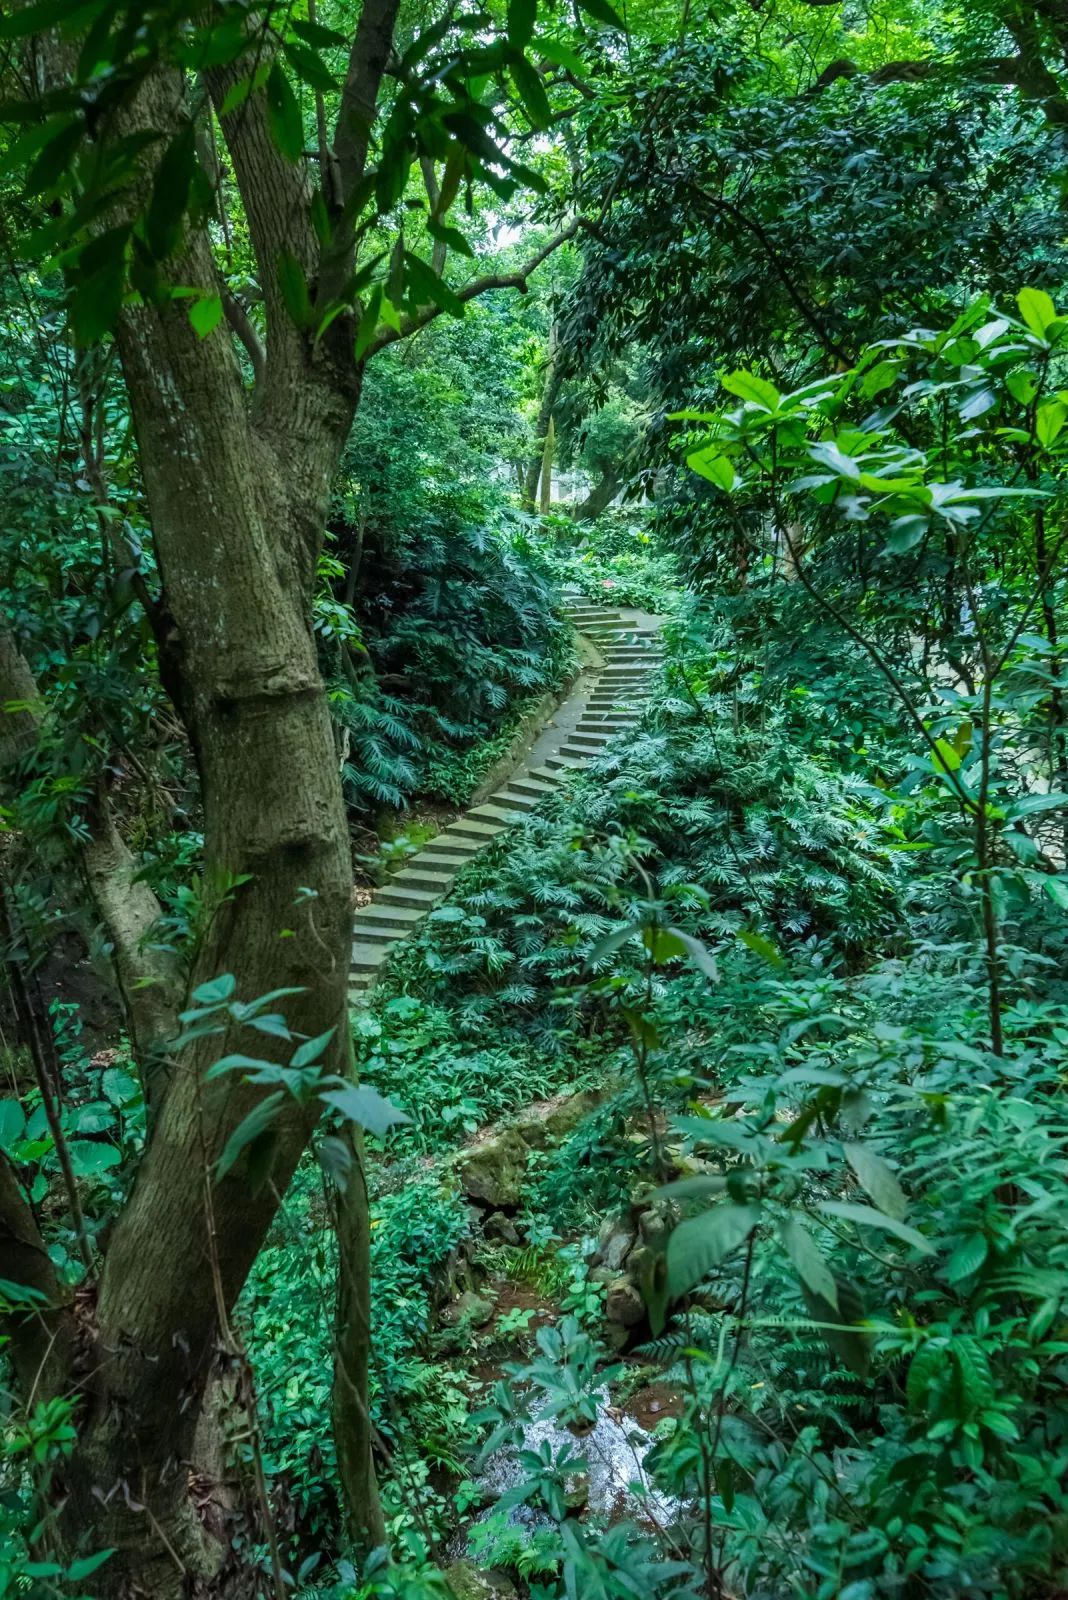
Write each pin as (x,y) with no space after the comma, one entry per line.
(24,21)
(850,1344)
(1037,310)
(368,323)
(868,1217)
(283,115)
(521,18)
(425,286)
(713,466)
(309,67)
(312,1049)
(449,236)
(257,1122)
(701,1243)
(12,1123)
(314,33)
(88,1159)
(967,1257)
(761,946)
(1049,421)
(877,1180)
(753,390)
(170,194)
(601,11)
(216,990)
(366,1107)
(531,91)
(87,1565)
(55,158)
(206,314)
(293,287)
(905,533)
(811,1268)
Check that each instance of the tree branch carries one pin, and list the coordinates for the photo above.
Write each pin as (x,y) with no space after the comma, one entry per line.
(238,318)
(370,52)
(471,291)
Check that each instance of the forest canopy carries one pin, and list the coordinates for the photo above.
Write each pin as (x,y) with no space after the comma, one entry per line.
(533,784)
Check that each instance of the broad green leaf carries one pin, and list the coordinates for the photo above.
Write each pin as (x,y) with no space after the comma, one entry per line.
(868,1217)
(293,287)
(713,466)
(852,1345)
(12,1123)
(449,236)
(366,1107)
(424,285)
(812,1269)
(206,314)
(701,1243)
(967,1257)
(283,115)
(521,17)
(755,391)
(761,946)
(88,1158)
(312,1049)
(531,91)
(309,66)
(256,1123)
(1036,309)
(216,990)
(1049,420)
(601,11)
(877,1180)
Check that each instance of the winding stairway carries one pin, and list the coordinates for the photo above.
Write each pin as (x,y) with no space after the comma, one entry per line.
(604,702)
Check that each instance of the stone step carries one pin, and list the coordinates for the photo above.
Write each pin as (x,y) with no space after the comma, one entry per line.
(463,845)
(440,861)
(554,773)
(492,811)
(563,761)
(533,788)
(511,799)
(594,721)
(419,876)
(382,914)
(589,743)
(369,954)
(399,894)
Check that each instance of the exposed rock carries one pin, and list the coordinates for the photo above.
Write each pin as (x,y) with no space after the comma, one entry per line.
(468,1582)
(498,1226)
(493,1170)
(471,1308)
(624,1304)
(554,1119)
(618,1249)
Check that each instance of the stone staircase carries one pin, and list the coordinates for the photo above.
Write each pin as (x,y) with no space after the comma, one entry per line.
(605,702)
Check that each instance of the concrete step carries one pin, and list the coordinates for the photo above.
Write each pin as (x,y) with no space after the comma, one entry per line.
(510,799)
(563,762)
(399,894)
(533,788)
(555,773)
(419,876)
(464,846)
(379,914)
(369,954)
(493,810)
(595,722)
(441,861)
